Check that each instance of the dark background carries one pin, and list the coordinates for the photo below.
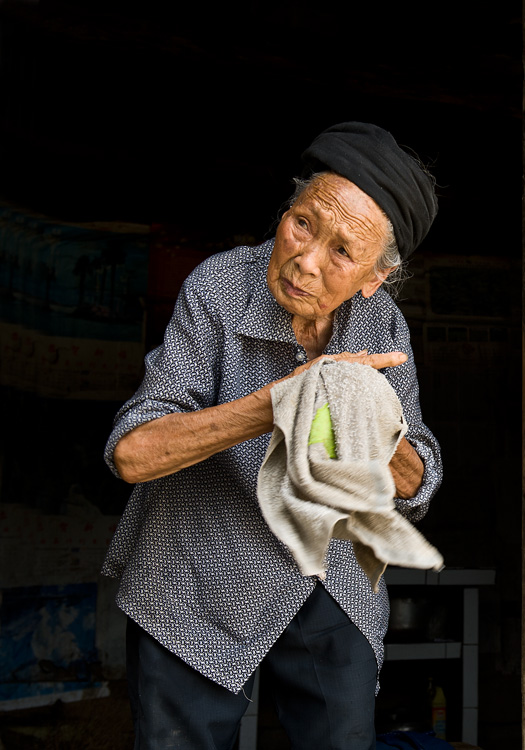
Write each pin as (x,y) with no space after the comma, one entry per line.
(190,121)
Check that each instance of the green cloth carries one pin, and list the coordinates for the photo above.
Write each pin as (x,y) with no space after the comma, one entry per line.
(322,431)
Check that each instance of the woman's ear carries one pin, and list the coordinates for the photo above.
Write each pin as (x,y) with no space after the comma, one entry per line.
(370,287)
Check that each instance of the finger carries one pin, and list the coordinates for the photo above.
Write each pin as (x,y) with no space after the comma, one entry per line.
(377,361)
(390,359)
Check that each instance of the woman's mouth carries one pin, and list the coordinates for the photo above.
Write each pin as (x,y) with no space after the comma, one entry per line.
(293,291)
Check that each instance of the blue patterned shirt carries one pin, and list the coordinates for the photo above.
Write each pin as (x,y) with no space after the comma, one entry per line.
(199,568)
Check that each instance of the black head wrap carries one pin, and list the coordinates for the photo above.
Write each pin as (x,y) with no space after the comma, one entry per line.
(369,157)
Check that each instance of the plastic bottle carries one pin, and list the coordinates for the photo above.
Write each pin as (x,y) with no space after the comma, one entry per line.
(439,711)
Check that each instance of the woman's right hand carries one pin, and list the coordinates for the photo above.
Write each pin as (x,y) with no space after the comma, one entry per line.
(377,361)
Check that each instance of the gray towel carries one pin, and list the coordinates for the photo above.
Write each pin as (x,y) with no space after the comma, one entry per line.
(307,498)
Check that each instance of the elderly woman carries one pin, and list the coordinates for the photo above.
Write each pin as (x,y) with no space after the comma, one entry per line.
(208,589)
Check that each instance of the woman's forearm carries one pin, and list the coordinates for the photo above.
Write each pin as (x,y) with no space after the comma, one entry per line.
(407,469)
(170,443)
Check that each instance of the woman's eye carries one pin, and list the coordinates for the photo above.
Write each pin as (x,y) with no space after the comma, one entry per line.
(302,223)
(342,251)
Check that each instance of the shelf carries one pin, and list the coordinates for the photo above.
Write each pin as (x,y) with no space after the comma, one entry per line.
(446,577)
(418,651)
(466,650)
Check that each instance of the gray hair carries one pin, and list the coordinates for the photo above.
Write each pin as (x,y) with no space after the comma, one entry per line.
(389,256)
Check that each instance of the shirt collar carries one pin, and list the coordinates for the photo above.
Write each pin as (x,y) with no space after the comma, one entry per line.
(264,318)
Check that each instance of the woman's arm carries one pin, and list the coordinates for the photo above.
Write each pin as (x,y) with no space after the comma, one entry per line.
(407,469)
(416,466)
(172,442)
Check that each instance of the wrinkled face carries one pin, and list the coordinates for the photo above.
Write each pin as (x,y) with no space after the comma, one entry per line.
(325,249)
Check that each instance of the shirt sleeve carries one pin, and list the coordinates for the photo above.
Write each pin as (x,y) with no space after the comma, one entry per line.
(182,374)
(403,379)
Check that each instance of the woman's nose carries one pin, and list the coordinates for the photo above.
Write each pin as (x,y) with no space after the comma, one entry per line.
(309,259)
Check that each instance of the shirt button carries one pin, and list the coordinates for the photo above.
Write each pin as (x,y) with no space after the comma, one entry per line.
(300,357)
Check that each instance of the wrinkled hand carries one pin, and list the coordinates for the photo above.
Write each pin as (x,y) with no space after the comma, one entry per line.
(377,361)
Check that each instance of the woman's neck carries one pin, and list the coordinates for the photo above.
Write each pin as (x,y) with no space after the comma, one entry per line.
(313,335)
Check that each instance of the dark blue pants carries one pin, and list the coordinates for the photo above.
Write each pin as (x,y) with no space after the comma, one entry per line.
(322,669)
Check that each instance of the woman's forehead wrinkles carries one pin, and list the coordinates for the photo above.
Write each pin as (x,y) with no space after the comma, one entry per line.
(346,221)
